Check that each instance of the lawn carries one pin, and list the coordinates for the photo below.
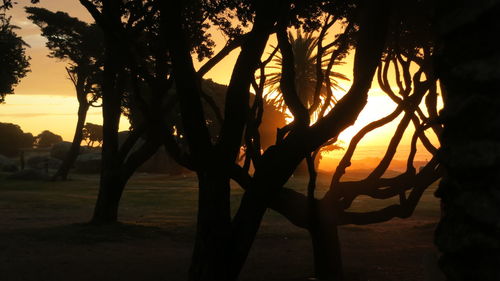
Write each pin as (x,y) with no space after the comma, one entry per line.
(43,235)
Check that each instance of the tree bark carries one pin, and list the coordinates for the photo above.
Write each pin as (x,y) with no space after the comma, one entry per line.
(211,251)
(326,244)
(108,200)
(468,234)
(110,185)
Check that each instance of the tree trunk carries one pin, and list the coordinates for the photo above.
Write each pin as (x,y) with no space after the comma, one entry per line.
(111,184)
(74,150)
(211,251)
(327,254)
(108,200)
(468,234)
(325,241)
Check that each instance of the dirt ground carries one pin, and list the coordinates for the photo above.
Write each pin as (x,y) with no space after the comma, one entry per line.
(43,237)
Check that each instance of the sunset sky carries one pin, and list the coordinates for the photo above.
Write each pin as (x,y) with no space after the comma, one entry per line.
(45,98)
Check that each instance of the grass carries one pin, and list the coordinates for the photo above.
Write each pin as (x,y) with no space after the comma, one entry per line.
(43,225)
(150,200)
(158,197)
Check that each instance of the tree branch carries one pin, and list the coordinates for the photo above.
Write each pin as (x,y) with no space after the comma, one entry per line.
(226,50)
(287,81)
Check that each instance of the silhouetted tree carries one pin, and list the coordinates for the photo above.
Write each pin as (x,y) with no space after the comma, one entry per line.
(13,139)
(14,63)
(304,50)
(275,166)
(468,234)
(136,68)
(47,139)
(314,78)
(92,133)
(81,45)
(222,242)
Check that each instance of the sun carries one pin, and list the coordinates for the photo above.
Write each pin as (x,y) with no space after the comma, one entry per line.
(377,107)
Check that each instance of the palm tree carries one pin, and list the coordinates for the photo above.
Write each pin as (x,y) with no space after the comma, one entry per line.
(303,46)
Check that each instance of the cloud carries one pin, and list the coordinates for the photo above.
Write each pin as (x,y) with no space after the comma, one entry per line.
(23,23)
(35,40)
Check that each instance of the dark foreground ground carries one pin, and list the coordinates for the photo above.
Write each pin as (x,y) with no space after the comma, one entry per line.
(43,236)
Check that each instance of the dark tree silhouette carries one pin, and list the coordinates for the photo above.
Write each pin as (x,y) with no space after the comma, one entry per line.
(136,67)
(13,139)
(14,63)
(222,242)
(468,234)
(314,78)
(47,139)
(92,133)
(81,45)
(304,47)
(277,163)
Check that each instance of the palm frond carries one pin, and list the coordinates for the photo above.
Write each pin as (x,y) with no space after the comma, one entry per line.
(304,48)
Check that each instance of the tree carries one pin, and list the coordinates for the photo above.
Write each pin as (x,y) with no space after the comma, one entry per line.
(92,133)
(304,51)
(13,139)
(273,168)
(314,78)
(467,64)
(136,67)
(13,60)
(80,44)
(47,139)
(222,242)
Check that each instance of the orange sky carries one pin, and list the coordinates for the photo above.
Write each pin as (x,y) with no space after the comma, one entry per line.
(45,98)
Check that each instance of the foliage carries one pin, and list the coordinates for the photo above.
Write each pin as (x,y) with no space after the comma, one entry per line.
(79,43)
(92,133)
(47,139)
(82,46)
(13,60)
(13,139)
(68,38)
(303,46)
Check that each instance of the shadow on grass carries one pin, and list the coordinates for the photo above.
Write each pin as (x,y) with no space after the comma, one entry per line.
(86,233)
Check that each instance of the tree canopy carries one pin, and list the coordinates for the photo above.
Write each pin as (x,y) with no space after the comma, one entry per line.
(81,45)
(13,59)
(47,139)
(78,43)
(92,133)
(305,58)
